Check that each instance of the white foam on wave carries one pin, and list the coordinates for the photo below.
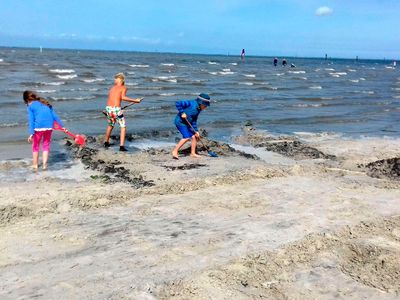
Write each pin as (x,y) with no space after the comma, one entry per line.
(1,60)
(233,64)
(62,71)
(389,67)
(351,70)
(226,70)
(67,76)
(250,75)
(132,84)
(396,89)
(280,74)
(315,87)
(329,69)
(297,72)
(338,74)
(226,73)
(213,73)
(303,105)
(139,66)
(93,80)
(167,94)
(168,65)
(213,63)
(53,83)
(165,79)
(362,78)
(246,83)
(46,91)
(354,80)
(397,97)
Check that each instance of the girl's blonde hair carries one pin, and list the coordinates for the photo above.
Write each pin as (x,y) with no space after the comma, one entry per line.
(30,96)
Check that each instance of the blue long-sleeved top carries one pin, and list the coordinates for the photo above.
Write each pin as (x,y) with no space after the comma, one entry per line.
(192,110)
(41,116)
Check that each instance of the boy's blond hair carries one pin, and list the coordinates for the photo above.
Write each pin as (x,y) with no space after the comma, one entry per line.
(120,76)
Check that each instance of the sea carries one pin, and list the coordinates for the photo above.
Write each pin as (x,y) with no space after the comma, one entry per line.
(348,97)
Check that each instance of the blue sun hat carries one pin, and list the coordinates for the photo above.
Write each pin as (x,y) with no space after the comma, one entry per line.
(203,99)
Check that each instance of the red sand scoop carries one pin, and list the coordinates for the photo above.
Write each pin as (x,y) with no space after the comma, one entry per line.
(80,139)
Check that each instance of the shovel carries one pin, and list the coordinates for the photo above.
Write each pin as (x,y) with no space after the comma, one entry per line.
(122,108)
(211,153)
(78,138)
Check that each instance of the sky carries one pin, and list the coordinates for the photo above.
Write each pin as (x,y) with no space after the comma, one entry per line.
(303,28)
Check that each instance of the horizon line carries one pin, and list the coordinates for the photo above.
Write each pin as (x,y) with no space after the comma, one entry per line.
(203,54)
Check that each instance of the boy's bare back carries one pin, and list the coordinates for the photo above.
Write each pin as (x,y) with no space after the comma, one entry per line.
(115,95)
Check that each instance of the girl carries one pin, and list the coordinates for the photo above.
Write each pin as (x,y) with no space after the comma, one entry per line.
(41,117)
(186,122)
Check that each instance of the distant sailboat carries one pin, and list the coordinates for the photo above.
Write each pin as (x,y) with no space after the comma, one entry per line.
(41,49)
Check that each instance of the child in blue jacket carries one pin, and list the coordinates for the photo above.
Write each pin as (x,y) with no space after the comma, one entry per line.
(186,122)
(41,117)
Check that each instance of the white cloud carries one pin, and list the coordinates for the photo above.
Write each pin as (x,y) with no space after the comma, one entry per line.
(324,11)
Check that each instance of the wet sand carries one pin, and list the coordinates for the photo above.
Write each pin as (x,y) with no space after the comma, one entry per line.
(271,217)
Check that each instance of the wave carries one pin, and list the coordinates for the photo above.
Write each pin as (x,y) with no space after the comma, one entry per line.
(226,72)
(9,125)
(246,83)
(297,72)
(93,80)
(60,99)
(338,74)
(315,87)
(46,91)
(315,99)
(351,70)
(213,63)
(329,69)
(233,64)
(249,75)
(172,79)
(52,83)
(362,78)
(305,105)
(139,66)
(167,94)
(62,71)
(67,76)
(1,60)
(168,65)
(354,80)
(280,74)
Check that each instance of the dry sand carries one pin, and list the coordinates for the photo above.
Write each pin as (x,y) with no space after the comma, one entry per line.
(309,220)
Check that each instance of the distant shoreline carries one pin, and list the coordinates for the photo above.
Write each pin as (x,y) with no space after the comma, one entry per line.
(288,57)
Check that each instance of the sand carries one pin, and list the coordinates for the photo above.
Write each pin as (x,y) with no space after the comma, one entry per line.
(270,218)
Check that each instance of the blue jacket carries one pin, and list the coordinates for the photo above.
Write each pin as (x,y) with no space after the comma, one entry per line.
(191,109)
(41,116)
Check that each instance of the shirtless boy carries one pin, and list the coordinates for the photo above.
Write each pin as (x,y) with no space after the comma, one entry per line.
(114,112)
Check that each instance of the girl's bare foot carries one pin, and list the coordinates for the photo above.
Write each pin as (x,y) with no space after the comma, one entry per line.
(195,155)
(35,167)
(175,154)
(44,167)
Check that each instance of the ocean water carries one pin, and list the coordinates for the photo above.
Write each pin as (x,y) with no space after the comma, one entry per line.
(348,97)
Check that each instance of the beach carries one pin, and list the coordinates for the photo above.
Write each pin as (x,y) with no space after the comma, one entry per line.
(273,217)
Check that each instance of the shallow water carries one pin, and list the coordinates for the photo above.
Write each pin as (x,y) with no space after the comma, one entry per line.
(335,96)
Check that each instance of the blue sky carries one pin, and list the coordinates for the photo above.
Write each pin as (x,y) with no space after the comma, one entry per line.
(341,28)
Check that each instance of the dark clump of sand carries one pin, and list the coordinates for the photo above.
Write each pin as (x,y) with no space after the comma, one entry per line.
(385,168)
(111,171)
(287,146)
